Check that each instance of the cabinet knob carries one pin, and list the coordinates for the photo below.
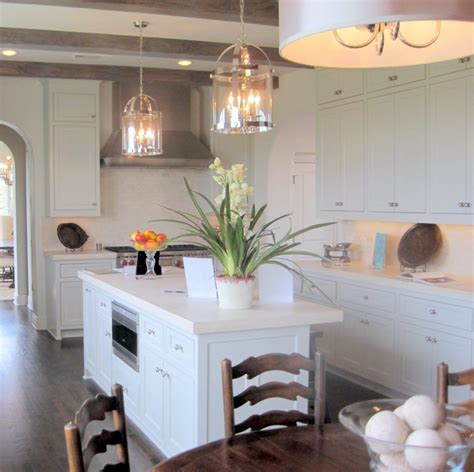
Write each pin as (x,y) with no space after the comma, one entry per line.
(103,305)
(158,370)
(365,297)
(94,204)
(151,332)
(164,373)
(468,204)
(88,290)
(434,340)
(432,311)
(178,347)
(391,78)
(338,92)
(93,116)
(108,334)
(428,338)
(395,204)
(463,60)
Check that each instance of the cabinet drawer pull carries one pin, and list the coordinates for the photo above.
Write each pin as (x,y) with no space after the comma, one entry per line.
(103,305)
(338,92)
(92,116)
(178,347)
(434,340)
(108,334)
(364,321)
(365,297)
(391,78)
(428,338)
(151,332)
(338,204)
(463,60)
(432,311)
(468,204)
(461,204)
(158,370)
(395,204)
(164,373)
(88,290)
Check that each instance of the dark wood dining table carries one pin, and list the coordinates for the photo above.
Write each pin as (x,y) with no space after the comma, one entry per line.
(300,448)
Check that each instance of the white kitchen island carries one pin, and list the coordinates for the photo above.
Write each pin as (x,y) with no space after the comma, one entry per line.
(175,395)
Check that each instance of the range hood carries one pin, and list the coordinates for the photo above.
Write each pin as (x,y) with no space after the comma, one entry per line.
(181,148)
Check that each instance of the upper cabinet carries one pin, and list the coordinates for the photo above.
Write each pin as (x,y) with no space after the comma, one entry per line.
(387,77)
(336,84)
(74,162)
(416,159)
(447,67)
(341,157)
(396,152)
(451,144)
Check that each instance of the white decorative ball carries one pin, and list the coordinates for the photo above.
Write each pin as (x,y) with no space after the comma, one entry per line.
(399,412)
(424,458)
(396,462)
(385,426)
(421,411)
(450,435)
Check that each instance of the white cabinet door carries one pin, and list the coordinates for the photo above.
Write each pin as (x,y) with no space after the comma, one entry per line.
(180,410)
(152,394)
(381,154)
(447,67)
(75,170)
(73,106)
(350,343)
(380,349)
(396,130)
(341,158)
(455,352)
(337,84)
(387,77)
(416,364)
(330,162)
(410,171)
(470,145)
(90,330)
(448,146)
(104,349)
(70,304)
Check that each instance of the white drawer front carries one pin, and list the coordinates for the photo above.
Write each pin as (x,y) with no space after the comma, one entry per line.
(129,380)
(68,271)
(327,287)
(152,332)
(437,312)
(180,348)
(104,302)
(366,297)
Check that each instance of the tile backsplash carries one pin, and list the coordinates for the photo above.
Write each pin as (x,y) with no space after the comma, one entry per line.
(456,255)
(130,197)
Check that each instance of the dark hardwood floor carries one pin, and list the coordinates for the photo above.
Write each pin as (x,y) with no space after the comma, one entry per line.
(41,387)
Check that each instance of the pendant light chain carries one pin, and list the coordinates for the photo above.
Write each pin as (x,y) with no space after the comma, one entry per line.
(242,38)
(141,57)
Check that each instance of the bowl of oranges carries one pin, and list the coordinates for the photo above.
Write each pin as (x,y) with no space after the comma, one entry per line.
(149,240)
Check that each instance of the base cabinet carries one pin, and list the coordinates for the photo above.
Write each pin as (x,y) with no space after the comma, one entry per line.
(104,348)
(90,345)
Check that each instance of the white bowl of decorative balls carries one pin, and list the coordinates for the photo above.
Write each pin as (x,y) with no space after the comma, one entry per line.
(414,435)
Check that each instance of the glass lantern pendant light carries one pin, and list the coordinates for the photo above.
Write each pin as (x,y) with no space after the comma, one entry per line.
(141,119)
(242,91)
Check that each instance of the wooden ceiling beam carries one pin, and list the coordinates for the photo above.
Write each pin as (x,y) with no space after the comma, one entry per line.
(94,43)
(98,72)
(263,12)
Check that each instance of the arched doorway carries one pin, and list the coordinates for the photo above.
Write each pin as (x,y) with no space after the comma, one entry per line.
(22,260)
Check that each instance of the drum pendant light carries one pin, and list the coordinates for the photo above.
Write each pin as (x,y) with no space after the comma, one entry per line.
(242,91)
(375,33)
(141,119)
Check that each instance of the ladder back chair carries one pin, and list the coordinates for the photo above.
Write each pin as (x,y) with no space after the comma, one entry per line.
(80,455)
(254,366)
(451,379)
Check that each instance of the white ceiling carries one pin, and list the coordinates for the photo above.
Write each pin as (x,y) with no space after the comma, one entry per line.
(83,20)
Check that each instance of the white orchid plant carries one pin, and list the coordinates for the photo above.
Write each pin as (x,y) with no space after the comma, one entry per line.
(237,238)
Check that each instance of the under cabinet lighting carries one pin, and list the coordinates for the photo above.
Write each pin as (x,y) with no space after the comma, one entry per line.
(185,63)
(9,52)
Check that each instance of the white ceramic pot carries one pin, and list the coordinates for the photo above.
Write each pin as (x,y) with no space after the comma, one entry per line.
(235,293)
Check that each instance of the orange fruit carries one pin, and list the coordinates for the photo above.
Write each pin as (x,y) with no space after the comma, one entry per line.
(161,237)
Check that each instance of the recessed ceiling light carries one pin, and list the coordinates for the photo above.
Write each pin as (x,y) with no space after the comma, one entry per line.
(9,52)
(185,63)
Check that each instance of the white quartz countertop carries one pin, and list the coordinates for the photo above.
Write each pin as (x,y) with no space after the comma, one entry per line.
(79,255)
(201,316)
(462,289)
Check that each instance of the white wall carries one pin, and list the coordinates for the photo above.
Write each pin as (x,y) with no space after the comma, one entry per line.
(130,197)
(22,108)
(456,255)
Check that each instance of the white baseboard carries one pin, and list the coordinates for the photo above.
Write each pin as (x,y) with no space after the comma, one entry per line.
(30,302)
(37,322)
(20,300)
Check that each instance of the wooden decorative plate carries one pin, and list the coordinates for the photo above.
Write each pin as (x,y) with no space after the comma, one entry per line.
(419,245)
(72,236)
